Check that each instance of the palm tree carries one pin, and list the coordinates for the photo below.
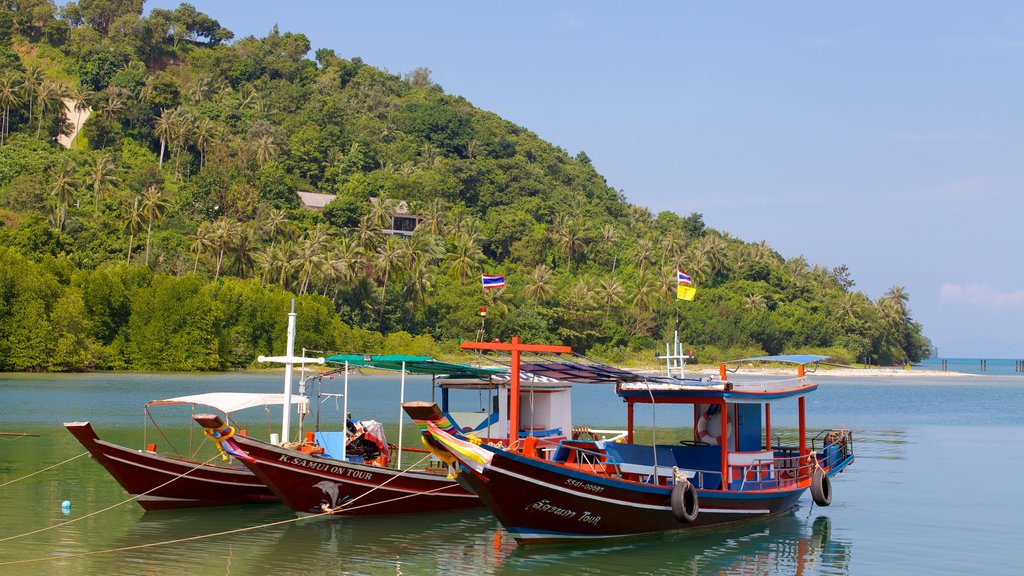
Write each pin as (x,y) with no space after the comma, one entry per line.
(311,254)
(709,256)
(266,149)
(540,287)
(464,256)
(388,259)
(581,294)
(101,176)
(243,250)
(202,241)
(755,303)
(382,209)
(164,128)
(274,223)
(153,206)
(644,254)
(645,290)
(181,129)
(10,95)
(434,217)
(204,134)
(133,223)
(342,262)
(223,234)
(33,79)
(568,233)
(609,291)
(64,183)
(48,96)
(83,101)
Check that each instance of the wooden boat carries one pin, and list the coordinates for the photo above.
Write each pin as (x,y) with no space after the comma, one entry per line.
(597,489)
(312,482)
(164,480)
(173,480)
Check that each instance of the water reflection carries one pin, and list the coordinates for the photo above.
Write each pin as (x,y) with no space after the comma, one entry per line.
(787,544)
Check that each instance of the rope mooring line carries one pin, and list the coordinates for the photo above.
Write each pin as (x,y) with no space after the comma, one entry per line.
(133,498)
(224,532)
(43,470)
(164,543)
(329,510)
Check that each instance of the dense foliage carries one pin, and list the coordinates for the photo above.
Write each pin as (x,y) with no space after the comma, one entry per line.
(168,234)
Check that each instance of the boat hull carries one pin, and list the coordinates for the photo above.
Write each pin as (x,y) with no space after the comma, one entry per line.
(163,483)
(542,502)
(308,483)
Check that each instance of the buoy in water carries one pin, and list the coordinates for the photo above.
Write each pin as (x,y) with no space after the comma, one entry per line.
(65,506)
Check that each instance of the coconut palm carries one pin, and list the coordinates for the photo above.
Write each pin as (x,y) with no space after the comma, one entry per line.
(83,101)
(243,250)
(581,294)
(609,291)
(643,254)
(164,128)
(386,261)
(101,177)
(133,223)
(48,99)
(204,134)
(10,95)
(755,303)
(709,256)
(434,217)
(274,223)
(223,234)
(569,235)
(202,241)
(645,291)
(33,78)
(154,205)
(540,287)
(382,209)
(266,149)
(63,190)
(311,254)
(465,255)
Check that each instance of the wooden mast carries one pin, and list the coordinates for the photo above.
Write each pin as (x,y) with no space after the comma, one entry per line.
(516,348)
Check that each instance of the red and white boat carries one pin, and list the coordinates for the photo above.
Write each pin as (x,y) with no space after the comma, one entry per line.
(165,480)
(597,489)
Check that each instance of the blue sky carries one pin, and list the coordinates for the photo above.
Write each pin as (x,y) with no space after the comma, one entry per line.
(887,136)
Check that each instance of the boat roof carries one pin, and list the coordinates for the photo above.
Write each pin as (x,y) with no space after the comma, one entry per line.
(228,402)
(682,391)
(415,365)
(787,358)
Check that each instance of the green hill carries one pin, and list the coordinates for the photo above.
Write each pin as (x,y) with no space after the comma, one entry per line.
(170,234)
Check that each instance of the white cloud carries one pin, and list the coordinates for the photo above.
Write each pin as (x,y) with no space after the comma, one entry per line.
(982,296)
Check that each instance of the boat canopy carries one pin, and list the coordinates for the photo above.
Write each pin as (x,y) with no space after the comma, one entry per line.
(415,365)
(787,358)
(228,402)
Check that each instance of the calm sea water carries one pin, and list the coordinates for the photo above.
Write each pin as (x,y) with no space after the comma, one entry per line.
(932,491)
(994,366)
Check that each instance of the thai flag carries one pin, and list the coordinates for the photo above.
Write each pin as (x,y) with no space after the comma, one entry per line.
(492,281)
(684,278)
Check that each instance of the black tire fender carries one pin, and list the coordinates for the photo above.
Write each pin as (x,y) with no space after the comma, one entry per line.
(821,488)
(685,504)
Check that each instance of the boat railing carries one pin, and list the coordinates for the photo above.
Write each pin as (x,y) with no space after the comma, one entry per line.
(784,470)
(836,446)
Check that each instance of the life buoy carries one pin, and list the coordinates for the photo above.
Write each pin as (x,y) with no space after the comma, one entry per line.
(709,426)
(821,488)
(685,505)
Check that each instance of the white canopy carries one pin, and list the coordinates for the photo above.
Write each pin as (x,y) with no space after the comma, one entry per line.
(231,401)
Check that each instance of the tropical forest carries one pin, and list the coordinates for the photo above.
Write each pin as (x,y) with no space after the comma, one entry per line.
(167,190)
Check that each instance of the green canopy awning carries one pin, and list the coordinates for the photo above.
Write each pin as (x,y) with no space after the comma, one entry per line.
(415,365)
